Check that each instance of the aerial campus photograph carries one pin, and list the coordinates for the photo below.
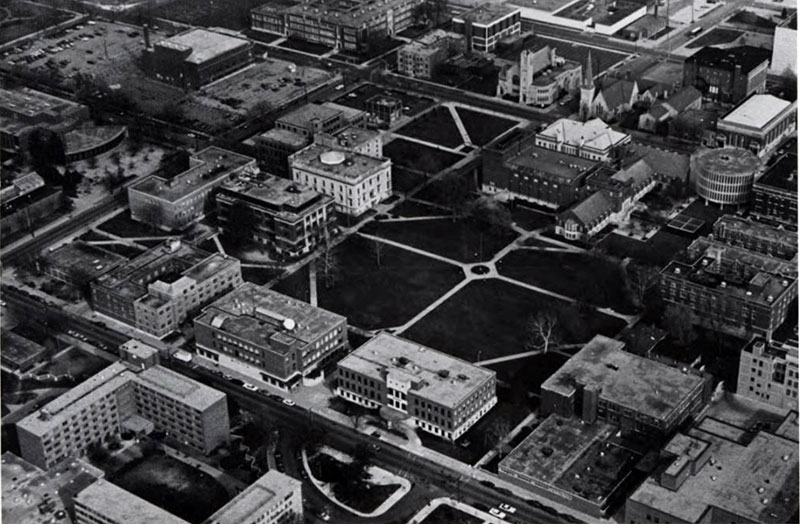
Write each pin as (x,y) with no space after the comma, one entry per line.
(399,261)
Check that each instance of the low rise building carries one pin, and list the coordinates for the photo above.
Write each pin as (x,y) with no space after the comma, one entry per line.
(768,369)
(724,176)
(439,393)
(775,192)
(539,78)
(602,382)
(420,58)
(646,27)
(384,110)
(197,57)
(607,102)
(727,286)
(367,142)
(728,75)
(173,201)
(77,264)
(756,236)
(515,168)
(593,140)
(156,291)
(356,182)
(284,215)
(661,113)
(29,209)
(19,354)
(758,124)
(268,336)
(487,24)
(711,478)
(97,410)
(569,462)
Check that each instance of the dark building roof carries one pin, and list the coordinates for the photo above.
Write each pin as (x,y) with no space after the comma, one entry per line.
(684,98)
(619,93)
(746,56)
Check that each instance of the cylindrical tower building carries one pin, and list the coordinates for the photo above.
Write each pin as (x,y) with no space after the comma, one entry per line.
(724,176)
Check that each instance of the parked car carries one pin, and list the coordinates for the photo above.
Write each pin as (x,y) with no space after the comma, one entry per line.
(249,386)
(507,508)
(497,513)
(288,402)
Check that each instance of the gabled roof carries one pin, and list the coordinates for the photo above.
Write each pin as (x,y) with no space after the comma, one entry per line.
(593,133)
(640,172)
(592,209)
(619,93)
(683,99)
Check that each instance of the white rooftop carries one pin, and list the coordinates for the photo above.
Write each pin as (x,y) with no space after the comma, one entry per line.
(757,111)
(595,133)
(204,44)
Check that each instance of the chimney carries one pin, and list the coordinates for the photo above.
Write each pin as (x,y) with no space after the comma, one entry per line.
(146,29)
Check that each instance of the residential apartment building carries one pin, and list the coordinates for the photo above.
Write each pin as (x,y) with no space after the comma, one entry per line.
(487,24)
(758,124)
(440,394)
(602,382)
(156,291)
(175,201)
(197,57)
(420,58)
(768,370)
(349,26)
(756,236)
(275,498)
(593,140)
(727,75)
(731,287)
(714,478)
(99,408)
(539,78)
(268,336)
(515,168)
(286,216)
(775,192)
(356,182)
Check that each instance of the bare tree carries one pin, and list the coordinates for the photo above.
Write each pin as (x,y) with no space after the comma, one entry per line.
(377,249)
(542,330)
(328,263)
(640,279)
(497,432)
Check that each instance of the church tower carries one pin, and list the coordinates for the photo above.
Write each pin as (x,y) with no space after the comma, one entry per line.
(587,90)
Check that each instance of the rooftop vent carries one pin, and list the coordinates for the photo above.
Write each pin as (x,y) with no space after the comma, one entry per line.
(677,271)
(332,158)
(443,373)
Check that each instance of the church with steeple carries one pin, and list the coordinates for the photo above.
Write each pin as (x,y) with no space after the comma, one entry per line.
(608,101)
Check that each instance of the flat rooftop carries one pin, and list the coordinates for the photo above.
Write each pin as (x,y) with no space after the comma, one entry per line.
(255,498)
(559,164)
(757,229)
(728,161)
(259,316)
(346,12)
(346,166)
(286,137)
(756,482)
(177,387)
(434,375)
(28,104)
(303,116)
(83,260)
(118,505)
(290,201)
(18,349)
(205,45)
(558,452)
(631,381)
(207,167)
(757,111)
(70,403)
(549,6)
(487,14)
(781,174)
(592,133)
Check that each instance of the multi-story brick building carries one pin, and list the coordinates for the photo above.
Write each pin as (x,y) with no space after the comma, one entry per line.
(275,498)
(727,75)
(486,25)
(356,182)
(758,124)
(77,264)
(289,217)
(731,287)
(356,139)
(197,57)
(514,168)
(441,394)
(768,369)
(593,140)
(268,336)
(25,209)
(156,291)
(173,201)
(539,78)
(98,409)
(347,25)
(604,383)
(775,192)
(756,236)
(420,58)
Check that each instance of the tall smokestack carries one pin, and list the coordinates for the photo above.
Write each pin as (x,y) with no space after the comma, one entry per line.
(146,36)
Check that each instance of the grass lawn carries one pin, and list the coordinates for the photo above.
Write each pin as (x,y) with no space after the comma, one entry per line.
(481,127)
(408,282)
(419,157)
(576,275)
(358,100)
(124,226)
(357,494)
(439,191)
(259,275)
(417,209)
(436,126)
(656,251)
(528,374)
(445,514)
(462,240)
(173,486)
(487,319)
(529,219)
(404,180)
(77,363)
